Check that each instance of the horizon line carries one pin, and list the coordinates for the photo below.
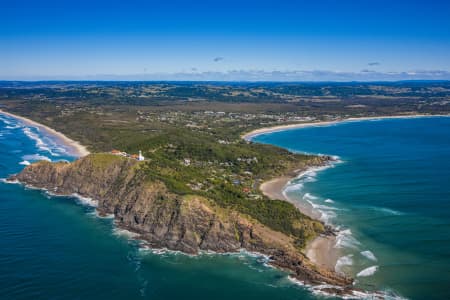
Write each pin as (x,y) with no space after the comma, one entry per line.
(218,81)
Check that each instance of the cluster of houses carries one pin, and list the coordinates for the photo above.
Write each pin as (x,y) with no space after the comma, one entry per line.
(138,157)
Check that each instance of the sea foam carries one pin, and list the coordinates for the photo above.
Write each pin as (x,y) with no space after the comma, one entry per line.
(5,180)
(40,144)
(388,211)
(367,272)
(125,233)
(342,262)
(309,196)
(344,239)
(85,200)
(35,157)
(369,255)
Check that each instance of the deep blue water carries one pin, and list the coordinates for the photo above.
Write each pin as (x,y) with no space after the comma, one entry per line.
(391,192)
(389,196)
(57,248)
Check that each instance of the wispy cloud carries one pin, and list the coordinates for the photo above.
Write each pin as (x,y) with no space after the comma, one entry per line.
(262,75)
(373,64)
(218,58)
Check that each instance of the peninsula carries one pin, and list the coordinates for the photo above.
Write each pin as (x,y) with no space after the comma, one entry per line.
(201,185)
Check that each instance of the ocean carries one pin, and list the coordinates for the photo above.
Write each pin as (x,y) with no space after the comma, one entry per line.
(58,248)
(389,197)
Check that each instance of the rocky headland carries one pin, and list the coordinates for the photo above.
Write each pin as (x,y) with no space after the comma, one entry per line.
(188,223)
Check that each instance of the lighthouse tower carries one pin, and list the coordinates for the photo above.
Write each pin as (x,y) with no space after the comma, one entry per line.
(140,158)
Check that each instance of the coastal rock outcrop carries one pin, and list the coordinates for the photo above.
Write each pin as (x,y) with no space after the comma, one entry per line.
(189,223)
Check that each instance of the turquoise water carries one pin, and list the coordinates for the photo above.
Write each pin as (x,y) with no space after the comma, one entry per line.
(391,192)
(390,195)
(57,248)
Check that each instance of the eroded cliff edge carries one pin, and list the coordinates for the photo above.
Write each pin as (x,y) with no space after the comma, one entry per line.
(188,223)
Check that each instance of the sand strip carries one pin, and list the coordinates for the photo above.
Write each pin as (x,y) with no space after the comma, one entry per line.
(74,147)
(321,250)
(248,136)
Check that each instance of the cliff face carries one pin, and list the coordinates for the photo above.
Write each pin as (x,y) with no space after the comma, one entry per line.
(164,219)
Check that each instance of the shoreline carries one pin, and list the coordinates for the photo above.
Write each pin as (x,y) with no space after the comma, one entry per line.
(73,146)
(254,133)
(320,250)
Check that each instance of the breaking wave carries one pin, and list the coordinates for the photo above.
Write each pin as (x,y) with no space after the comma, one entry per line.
(85,200)
(344,239)
(35,157)
(343,262)
(309,196)
(5,180)
(40,144)
(369,255)
(25,163)
(293,187)
(124,233)
(367,272)
(387,211)
(323,290)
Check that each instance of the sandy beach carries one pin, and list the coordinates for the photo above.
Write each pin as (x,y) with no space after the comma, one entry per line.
(248,136)
(74,147)
(322,253)
(321,250)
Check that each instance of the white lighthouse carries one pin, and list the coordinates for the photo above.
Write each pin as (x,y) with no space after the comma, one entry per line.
(140,158)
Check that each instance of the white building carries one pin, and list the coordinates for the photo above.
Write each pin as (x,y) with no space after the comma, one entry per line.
(140,157)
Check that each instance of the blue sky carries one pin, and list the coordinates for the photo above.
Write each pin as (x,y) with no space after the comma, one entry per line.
(225,40)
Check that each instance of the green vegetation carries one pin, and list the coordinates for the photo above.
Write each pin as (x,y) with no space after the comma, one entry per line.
(102,160)
(190,132)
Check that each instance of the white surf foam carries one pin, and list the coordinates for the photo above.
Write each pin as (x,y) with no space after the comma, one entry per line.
(369,255)
(320,206)
(125,233)
(327,216)
(29,133)
(323,290)
(367,272)
(343,262)
(7,122)
(326,212)
(329,201)
(40,144)
(25,163)
(344,239)
(5,180)
(308,196)
(85,200)
(388,211)
(310,179)
(35,157)
(293,187)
